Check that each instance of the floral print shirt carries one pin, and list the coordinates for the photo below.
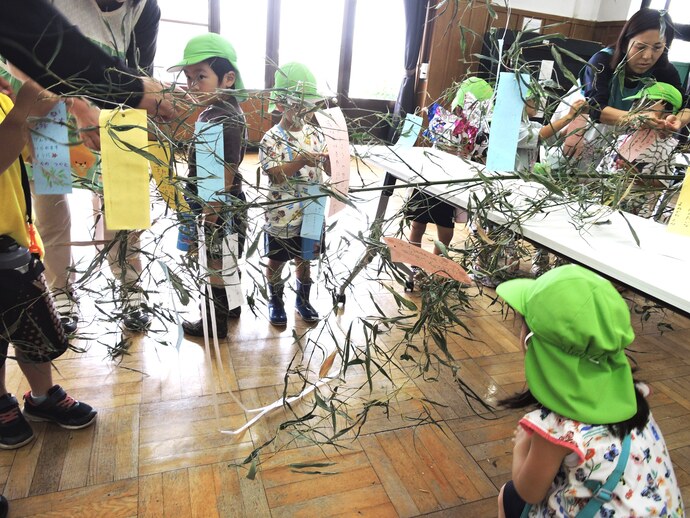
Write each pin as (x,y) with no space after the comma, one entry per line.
(648,486)
(278,146)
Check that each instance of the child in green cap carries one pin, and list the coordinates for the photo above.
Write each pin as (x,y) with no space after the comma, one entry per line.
(210,66)
(651,107)
(591,446)
(293,155)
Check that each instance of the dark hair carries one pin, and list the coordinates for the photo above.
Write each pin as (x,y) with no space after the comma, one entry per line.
(643,20)
(220,66)
(620,430)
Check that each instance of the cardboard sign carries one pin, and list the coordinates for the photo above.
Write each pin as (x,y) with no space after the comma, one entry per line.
(165,181)
(412,125)
(210,164)
(52,166)
(505,123)
(680,219)
(637,143)
(574,143)
(313,214)
(334,127)
(125,171)
(404,252)
(231,273)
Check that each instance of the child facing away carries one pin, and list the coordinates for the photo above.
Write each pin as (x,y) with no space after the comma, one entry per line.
(293,156)
(209,64)
(531,133)
(28,317)
(463,130)
(652,105)
(591,446)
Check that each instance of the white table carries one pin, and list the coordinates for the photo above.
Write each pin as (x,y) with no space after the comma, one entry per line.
(658,268)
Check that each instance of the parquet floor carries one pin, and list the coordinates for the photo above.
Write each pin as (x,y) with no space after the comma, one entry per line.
(157,449)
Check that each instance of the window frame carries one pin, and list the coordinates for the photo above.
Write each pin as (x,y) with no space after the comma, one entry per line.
(345,58)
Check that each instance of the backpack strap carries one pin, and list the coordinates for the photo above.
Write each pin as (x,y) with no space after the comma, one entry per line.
(26,187)
(603,493)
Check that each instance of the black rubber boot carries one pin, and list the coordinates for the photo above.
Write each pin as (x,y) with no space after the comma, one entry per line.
(276,306)
(220,301)
(302,304)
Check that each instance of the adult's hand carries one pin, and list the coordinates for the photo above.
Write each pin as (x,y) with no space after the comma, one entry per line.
(86,116)
(6,88)
(163,103)
(673,123)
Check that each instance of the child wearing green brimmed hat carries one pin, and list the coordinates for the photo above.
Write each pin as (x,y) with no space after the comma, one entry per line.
(653,104)
(575,328)
(293,156)
(210,67)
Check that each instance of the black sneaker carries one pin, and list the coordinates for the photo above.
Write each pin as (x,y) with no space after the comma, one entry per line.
(68,310)
(136,315)
(15,432)
(60,409)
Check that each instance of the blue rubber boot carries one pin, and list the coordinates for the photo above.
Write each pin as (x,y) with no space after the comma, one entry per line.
(302,304)
(276,306)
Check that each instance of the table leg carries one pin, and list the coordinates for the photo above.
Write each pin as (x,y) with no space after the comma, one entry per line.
(375,228)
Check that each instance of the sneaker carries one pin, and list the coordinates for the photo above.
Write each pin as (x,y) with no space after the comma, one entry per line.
(60,409)
(136,316)
(15,432)
(68,311)
(540,263)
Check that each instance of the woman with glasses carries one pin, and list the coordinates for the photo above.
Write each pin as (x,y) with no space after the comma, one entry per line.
(639,57)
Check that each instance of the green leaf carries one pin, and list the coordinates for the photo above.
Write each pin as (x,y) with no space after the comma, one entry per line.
(251,474)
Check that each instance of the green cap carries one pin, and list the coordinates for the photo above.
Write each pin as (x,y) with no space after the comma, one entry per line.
(206,46)
(575,362)
(476,86)
(660,92)
(293,80)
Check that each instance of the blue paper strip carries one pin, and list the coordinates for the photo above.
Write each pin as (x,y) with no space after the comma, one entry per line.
(210,167)
(52,168)
(313,213)
(308,248)
(412,125)
(505,122)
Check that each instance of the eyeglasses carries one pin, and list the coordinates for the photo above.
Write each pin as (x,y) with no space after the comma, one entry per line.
(639,46)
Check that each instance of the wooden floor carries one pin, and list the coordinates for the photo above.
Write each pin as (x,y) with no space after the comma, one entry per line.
(157,449)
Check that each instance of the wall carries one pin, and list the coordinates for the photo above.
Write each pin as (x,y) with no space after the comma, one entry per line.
(593,10)
(449,63)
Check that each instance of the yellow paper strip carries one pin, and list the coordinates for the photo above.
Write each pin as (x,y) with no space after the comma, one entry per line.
(125,171)
(165,182)
(680,219)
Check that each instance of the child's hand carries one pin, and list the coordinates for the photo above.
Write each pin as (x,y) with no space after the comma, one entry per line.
(33,100)
(313,159)
(646,119)
(579,106)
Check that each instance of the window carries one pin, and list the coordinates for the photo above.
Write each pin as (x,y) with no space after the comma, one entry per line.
(379,37)
(308,32)
(246,29)
(178,25)
(311,34)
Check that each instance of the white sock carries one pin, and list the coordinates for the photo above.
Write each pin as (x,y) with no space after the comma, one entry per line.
(38,399)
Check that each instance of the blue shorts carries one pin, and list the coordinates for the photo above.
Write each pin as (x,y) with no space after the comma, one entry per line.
(512,503)
(284,249)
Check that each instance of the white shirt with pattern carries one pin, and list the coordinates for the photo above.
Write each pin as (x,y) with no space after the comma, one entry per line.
(648,487)
(279,146)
